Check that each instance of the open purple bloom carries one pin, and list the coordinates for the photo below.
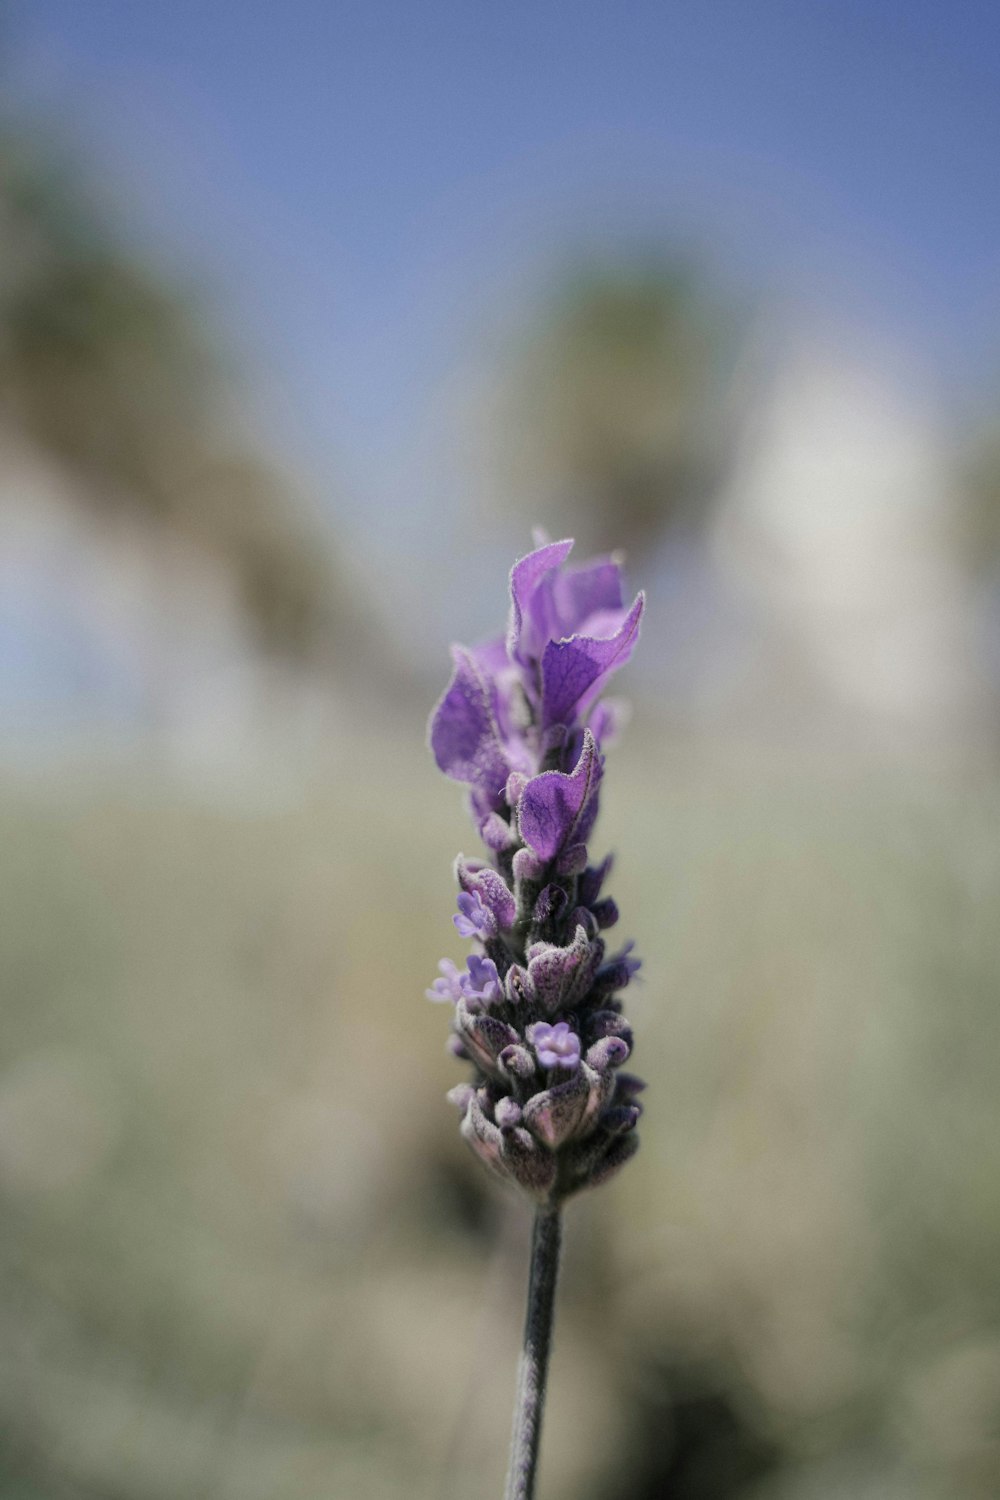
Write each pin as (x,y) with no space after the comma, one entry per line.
(555,1046)
(550,602)
(482,982)
(474,918)
(512,702)
(572,624)
(449,986)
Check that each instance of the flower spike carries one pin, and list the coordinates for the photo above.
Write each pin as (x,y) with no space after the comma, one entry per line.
(520,724)
(536,1011)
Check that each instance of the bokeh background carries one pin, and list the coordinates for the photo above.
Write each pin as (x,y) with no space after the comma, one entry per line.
(308,313)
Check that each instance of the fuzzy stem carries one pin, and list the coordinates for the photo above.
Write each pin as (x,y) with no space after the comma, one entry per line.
(529,1403)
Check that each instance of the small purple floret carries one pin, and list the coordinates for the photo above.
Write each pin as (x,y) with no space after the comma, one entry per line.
(474,918)
(482,982)
(449,986)
(555,1046)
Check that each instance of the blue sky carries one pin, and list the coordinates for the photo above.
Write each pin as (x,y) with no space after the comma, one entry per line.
(368,188)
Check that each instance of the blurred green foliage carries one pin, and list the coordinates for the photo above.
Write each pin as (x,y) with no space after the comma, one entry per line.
(244,1253)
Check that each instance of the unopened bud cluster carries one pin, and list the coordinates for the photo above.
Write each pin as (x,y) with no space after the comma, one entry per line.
(536,1008)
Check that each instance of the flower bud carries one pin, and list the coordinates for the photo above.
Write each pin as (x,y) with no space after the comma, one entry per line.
(562,975)
(609,1052)
(507,1112)
(555,1114)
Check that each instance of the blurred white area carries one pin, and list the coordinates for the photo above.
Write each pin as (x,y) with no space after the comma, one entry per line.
(117,634)
(841,527)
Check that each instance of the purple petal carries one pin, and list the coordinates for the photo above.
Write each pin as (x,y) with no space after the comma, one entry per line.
(573,859)
(490,656)
(627,1086)
(617,972)
(580,593)
(556,809)
(503,679)
(464,735)
(482,982)
(593,879)
(526,634)
(449,986)
(560,1050)
(474,918)
(605,912)
(574,671)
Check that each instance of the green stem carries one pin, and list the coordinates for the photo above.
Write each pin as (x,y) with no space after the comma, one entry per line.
(532,1375)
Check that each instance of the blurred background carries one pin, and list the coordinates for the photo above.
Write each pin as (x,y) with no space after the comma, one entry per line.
(307,314)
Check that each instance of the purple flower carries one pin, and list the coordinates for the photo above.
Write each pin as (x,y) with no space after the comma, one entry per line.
(511,701)
(571,623)
(549,602)
(449,986)
(482,982)
(474,918)
(535,1016)
(555,1046)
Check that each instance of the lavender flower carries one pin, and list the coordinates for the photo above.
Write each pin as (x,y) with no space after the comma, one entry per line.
(482,982)
(536,1012)
(521,725)
(449,986)
(474,917)
(555,1046)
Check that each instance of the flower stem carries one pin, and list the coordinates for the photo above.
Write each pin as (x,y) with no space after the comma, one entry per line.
(529,1403)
